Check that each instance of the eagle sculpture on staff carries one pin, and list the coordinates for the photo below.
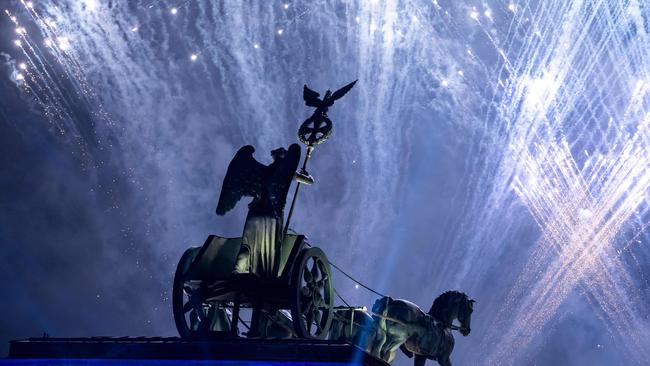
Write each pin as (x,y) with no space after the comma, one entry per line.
(318,127)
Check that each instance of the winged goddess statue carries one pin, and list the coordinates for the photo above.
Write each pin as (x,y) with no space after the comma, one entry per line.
(268,186)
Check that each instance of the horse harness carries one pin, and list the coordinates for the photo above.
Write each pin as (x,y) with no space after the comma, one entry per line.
(431,319)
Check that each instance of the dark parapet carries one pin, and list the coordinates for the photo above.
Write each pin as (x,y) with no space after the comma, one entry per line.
(150,351)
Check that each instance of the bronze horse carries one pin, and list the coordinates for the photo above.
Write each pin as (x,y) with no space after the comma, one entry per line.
(400,324)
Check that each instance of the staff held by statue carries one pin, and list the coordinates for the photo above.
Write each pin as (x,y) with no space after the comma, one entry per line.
(314,131)
(268,185)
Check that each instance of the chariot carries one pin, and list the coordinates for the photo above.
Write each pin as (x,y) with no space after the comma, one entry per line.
(293,292)
(208,298)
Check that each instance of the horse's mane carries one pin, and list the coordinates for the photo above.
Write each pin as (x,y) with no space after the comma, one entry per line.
(442,302)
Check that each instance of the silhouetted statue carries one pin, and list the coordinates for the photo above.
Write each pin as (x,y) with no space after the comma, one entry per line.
(268,186)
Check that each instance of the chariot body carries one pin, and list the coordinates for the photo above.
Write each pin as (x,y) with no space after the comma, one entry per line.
(208,299)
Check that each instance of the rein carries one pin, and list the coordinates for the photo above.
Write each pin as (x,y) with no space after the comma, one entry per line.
(435,322)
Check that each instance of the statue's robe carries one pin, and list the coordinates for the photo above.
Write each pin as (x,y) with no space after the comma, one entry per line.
(260,248)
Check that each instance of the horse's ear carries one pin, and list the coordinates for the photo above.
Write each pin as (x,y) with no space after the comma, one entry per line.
(472,301)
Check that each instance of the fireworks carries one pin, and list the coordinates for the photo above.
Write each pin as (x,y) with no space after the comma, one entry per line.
(557,106)
(64,43)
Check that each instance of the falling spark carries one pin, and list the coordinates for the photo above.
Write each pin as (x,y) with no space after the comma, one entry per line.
(91,4)
(22,66)
(194,57)
(18,43)
(280,31)
(174,11)
(286,6)
(134,29)
(20,77)
(64,43)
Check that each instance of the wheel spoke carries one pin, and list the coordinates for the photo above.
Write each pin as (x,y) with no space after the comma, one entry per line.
(307,276)
(314,271)
(318,299)
(194,319)
(323,272)
(317,319)
(308,306)
(310,319)
(187,307)
(305,291)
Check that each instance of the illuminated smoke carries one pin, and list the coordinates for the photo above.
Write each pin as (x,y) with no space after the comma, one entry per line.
(550,100)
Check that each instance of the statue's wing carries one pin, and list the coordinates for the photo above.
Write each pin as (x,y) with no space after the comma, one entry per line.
(244,177)
(282,176)
(311,97)
(340,93)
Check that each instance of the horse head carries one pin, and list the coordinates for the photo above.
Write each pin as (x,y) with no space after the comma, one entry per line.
(465,308)
(453,305)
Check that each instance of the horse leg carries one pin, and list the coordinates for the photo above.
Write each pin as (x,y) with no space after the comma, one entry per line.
(444,361)
(380,336)
(419,360)
(376,344)
(391,346)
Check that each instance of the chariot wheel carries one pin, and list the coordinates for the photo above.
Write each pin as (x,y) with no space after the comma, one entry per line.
(312,305)
(193,316)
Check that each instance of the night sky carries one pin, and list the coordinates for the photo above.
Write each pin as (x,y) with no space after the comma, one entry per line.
(497,148)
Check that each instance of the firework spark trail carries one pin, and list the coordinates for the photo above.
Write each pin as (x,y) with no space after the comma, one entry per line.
(556,194)
(556,77)
(579,239)
(47,87)
(47,97)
